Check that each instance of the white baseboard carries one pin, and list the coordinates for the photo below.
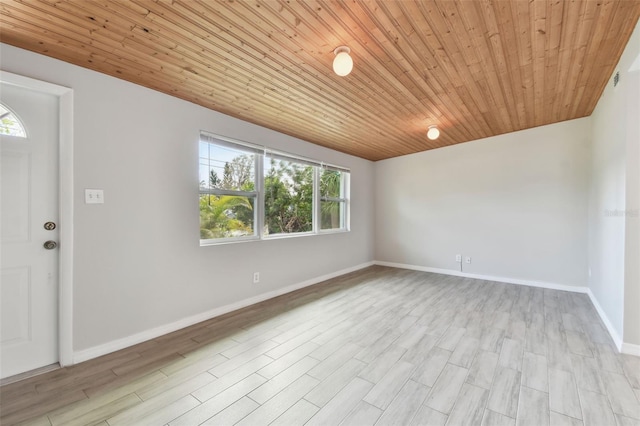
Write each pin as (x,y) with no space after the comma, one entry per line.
(542,284)
(625,348)
(617,340)
(106,348)
(630,349)
(116,345)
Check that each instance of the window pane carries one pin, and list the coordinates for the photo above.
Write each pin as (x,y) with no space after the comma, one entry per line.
(226,216)
(331,215)
(332,212)
(331,184)
(9,124)
(226,168)
(288,190)
(230,189)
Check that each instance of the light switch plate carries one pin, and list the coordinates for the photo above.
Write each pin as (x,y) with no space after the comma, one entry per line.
(94,196)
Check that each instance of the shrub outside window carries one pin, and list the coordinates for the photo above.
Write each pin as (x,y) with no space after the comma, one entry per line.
(248,192)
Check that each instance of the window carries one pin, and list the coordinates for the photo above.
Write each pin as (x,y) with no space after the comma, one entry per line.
(333,200)
(288,196)
(249,192)
(228,195)
(9,124)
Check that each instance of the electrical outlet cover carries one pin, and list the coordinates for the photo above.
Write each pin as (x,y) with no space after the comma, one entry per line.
(94,196)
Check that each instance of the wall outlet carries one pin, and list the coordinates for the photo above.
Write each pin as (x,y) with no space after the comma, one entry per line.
(467,259)
(256,277)
(459,258)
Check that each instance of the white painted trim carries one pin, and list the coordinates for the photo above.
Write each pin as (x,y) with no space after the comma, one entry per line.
(65,321)
(635,66)
(630,349)
(115,345)
(33,84)
(617,340)
(542,284)
(65,197)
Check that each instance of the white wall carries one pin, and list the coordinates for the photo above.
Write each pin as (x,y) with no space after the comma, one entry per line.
(138,263)
(606,230)
(614,233)
(515,203)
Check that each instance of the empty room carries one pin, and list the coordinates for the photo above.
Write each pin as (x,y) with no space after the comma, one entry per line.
(274,212)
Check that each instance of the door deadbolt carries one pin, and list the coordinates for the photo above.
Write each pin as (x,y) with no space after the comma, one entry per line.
(50,245)
(50,226)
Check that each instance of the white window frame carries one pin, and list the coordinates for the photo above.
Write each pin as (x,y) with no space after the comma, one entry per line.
(279,155)
(343,199)
(257,168)
(261,153)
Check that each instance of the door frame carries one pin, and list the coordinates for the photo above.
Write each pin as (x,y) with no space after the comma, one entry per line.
(65,205)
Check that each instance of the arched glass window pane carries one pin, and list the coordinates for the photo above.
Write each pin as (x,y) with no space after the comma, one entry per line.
(9,124)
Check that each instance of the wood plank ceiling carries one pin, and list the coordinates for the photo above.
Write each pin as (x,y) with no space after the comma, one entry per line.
(475,68)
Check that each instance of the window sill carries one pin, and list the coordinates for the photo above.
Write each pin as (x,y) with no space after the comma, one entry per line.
(333,231)
(204,243)
(223,241)
(285,236)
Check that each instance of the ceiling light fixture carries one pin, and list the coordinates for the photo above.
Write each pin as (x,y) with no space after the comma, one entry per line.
(433,133)
(342,63)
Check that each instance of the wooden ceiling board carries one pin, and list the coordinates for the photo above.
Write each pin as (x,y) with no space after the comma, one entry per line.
(475,68)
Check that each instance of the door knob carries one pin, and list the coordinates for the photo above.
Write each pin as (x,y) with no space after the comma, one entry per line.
(50,245)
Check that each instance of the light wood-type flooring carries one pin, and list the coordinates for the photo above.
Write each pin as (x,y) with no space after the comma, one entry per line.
(378,346)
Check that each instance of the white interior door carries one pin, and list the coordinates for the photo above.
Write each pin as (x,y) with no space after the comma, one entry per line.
(28,201)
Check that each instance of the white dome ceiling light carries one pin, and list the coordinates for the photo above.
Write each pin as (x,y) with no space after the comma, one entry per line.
(433,133)
(342,63)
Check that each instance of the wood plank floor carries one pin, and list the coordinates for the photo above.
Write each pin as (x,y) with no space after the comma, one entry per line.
(378,346)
